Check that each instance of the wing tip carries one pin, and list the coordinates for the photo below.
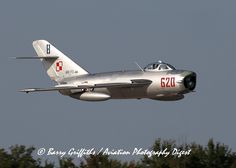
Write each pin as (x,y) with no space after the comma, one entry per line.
(27,90)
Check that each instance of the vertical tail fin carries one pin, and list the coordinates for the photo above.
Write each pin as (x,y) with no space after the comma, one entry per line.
(58,68)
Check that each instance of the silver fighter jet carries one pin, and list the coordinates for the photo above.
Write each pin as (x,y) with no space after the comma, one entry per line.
(157,81)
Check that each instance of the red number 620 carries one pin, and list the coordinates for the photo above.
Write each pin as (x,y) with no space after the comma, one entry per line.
(168,82)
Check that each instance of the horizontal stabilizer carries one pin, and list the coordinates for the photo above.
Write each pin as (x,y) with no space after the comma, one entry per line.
(39,57)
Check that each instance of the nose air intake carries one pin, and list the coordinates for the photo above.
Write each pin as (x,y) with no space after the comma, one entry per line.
(190,81)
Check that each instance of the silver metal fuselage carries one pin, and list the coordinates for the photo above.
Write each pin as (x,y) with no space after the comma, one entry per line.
(158,80)
(153,91)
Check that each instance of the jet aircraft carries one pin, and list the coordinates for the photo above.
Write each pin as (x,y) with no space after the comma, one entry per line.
(157,81)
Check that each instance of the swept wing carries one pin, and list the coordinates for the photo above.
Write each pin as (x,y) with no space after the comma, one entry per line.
(132,83)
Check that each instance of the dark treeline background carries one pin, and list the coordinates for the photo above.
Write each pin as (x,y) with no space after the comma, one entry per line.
(212,155)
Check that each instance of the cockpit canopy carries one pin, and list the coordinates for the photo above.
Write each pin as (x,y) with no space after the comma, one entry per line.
(159,66)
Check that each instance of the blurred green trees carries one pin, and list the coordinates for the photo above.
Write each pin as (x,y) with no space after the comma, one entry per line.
(213,155)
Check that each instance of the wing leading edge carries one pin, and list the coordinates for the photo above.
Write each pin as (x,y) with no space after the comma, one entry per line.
(132,83)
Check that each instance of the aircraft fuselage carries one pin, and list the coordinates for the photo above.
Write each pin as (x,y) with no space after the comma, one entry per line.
(158,80)
(165,85)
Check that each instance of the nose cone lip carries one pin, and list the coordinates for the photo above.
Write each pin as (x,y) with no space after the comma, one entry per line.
(190,81)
